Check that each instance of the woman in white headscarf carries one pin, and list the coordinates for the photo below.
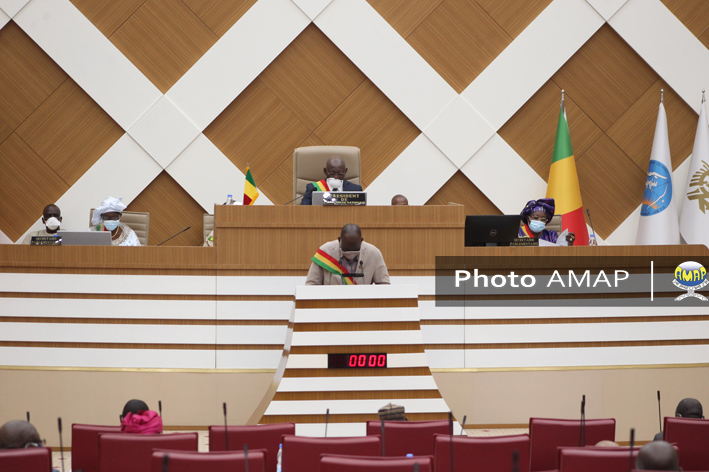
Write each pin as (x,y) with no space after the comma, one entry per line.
(107,217)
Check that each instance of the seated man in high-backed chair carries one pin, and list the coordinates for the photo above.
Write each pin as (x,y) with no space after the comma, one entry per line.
(335,172)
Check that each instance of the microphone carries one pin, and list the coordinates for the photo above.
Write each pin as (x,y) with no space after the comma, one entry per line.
(160,408)
(28,416)
(450,430)
(582,426)
(296,198)
(246,457)
(327,420)
(632,442)
(226,433)
(165,461)
(416,467)
(462,427)
(61,442)
(659,410)
(588,212)
(176,234)
(515,461)
(384,443)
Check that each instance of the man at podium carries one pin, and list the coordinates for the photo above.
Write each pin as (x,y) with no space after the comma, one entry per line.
(335,172)
(348,260)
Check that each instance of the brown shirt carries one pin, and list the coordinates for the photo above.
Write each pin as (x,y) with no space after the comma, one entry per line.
(371,264)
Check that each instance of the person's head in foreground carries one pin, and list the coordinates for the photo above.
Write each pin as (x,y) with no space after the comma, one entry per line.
(335,172)
(689,408)
(391,412)
(399,200)
(607,443)
(137,418)
(18,434)
(350,241)
(52,218)
(109,214)
(657,455)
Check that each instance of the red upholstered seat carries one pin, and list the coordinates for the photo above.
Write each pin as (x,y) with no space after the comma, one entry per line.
(223,461)
(490,454)
(547,434)
(84,445)
(408,437)
(592,459)
(133,452)
(335,463)
(692,438)
(301,454)
(267,436)
(35,459)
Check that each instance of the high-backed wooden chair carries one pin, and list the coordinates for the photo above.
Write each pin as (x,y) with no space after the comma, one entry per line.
(308,163)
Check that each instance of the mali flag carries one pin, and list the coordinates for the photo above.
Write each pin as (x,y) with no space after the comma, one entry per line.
(563,184)
(250,191)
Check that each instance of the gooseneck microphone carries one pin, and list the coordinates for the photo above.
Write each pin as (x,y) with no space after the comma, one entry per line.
(384,443)
(296,198)
(462,427)
(165,462)
(450,431)
(327,420)
(61,443)
(160,408)
(28,416)
(515,461)
(632,443)
(582,426)
(176,234)
(659,410)
(246,457)
(588,212)
(226,433)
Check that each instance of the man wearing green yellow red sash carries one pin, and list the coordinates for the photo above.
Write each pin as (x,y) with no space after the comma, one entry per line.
(335,171)
(348,260)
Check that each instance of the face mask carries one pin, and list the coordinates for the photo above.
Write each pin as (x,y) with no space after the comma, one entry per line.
(537,226)
(334,184)
(52,223)
(111,224)
(349,255)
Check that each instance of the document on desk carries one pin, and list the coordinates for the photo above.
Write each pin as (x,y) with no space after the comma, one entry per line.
(561,240)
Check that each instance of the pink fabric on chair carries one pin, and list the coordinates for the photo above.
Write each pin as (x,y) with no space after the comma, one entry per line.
(143,422)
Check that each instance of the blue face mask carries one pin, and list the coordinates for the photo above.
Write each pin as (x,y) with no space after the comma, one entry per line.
(537,226)
(111,224)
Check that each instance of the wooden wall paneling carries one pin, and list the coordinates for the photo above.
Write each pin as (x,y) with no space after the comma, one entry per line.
(532,130)
(405,15)
(611,184)
(369,120)
(459,39)
(459,189)
(512,15)
(163,38)
(27,185)
(312,77)
(27,76)
(258,129)
(5,131)
(605,77)
(171,209)
(705,39)
(107,15)
(70,131)
(219,16)
(634,131)
(278,186)
(694,14)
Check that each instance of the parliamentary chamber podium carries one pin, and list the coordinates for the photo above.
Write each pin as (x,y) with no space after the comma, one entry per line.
(196,316)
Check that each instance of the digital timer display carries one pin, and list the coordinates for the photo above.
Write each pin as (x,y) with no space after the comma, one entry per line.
(357,361)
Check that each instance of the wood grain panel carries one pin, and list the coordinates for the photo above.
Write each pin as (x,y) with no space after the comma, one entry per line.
(605,77)
(459,40)
(70,131)
(219,16)
(312,77)
(5,131)
(356,326)
(27,76)
(611,184)
(163,38)
(364,372)
(405,15)
(257,128)
(171,209)
(361,349)
(27,185)
(278,186)
(357,395)
(634,131)
(527,321)
(514,16)
(185,347)
(107,15)
(356,303)
(459,189)
(369,120)
(532,130)
(694,14)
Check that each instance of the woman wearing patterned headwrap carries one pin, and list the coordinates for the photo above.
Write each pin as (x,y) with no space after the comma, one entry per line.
(535,216)
(107,217)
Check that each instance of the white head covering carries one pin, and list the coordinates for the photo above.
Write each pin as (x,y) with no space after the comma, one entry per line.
(109,205)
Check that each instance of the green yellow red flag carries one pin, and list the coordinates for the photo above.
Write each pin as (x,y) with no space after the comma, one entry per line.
(250,191)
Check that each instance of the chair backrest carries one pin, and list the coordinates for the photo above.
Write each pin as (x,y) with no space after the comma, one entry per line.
(207,225)
(592,459)
(138,221)
(486,454)
(692,438)
(222,461)
(408,437)
(266,436)
(308,163)
(338,463)
(555,224)
(35,459)
(122,452)
(301,454)
(547,434)
(84,445)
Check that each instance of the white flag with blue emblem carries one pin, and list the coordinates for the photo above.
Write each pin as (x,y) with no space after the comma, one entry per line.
(694,218)
(658,213)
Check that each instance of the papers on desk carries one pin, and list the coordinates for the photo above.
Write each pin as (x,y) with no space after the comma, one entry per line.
(561,240)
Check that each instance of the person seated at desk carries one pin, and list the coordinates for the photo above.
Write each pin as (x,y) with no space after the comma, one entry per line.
(107,217)
(348,254)
(335,171)
(535,216)
(399,200)
(52,219)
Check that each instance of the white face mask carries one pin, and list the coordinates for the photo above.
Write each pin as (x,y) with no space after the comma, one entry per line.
(349,255)
(52,223)
(334,184)
(111,224)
